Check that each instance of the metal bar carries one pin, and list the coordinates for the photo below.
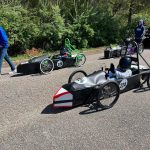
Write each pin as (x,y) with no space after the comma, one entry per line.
(145,60)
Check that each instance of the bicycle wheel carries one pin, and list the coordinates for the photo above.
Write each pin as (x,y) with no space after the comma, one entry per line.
(46,66)
(77,75)
(140,48)
(80,60)
(109,94)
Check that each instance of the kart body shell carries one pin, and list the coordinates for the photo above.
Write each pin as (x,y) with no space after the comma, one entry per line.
(34,65)
(80,91)
(45,64)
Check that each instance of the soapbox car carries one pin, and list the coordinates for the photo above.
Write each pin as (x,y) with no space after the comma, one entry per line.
(45,64)
(97,88)
(128,47)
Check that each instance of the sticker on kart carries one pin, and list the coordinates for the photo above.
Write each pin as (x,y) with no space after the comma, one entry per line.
(59,63)
(123,84)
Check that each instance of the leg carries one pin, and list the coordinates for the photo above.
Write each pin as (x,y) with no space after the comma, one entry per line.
(11,64)
(2,55)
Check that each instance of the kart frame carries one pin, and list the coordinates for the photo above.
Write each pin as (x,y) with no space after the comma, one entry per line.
(45,64)
(80,94)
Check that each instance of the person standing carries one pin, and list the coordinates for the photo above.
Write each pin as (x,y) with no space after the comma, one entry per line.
(139,31)
(3,51)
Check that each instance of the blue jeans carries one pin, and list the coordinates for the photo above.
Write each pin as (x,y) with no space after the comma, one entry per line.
(4,55)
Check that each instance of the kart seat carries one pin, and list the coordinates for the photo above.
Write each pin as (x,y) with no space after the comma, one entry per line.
(89,81)
(134,68)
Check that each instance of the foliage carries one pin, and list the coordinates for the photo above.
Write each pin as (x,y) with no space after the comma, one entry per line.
(87,23)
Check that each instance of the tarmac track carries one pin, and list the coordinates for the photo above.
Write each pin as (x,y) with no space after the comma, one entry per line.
(28,122)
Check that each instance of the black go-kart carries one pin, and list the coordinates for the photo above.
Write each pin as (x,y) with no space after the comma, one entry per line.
(97,89)
(45,64)
(128,47)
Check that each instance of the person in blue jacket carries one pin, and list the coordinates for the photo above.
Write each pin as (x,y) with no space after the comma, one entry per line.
(139,31)
(3,51)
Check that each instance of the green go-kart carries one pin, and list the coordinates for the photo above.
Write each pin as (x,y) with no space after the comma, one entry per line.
(45,64)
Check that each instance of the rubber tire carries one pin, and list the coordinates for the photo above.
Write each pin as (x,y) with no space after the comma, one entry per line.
(74,73)
(141,45)
(51,64)
(116,97)
(145,78)
(148,81)
(76,63)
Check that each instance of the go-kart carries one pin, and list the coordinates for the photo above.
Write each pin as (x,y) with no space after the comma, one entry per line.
(45,64)
(97,88)
(128,47)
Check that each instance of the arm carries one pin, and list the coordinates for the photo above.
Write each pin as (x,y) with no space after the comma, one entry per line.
(125,74)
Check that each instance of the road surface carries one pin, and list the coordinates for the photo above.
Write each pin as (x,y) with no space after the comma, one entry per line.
(28,122)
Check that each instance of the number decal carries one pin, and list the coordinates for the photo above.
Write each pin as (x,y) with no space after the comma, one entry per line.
(123,84)
(59,63)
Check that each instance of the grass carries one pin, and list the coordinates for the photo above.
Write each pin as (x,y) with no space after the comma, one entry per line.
(23,57)
(26,56)
(20,57)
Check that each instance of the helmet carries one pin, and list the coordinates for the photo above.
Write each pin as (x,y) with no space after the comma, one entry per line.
(125,62)
(141,22)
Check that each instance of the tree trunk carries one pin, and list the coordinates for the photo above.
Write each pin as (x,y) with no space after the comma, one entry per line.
(130,12)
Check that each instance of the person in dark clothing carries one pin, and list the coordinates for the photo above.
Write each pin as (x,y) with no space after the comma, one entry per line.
(3,51)
(123,70)
(139,31)
(63,51)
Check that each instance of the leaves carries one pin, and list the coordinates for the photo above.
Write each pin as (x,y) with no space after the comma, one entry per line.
(88,23)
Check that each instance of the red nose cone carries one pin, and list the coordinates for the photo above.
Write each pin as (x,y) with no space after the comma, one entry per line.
(62,99)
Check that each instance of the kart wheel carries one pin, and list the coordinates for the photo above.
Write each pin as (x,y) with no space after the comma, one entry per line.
(141,48)
(46,66)
(109,94)
(144,79)
(148,81)
(76,75)
(80,60)
(123,51)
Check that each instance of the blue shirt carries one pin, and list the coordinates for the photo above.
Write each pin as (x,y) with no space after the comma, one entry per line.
(139,31)
(3,38)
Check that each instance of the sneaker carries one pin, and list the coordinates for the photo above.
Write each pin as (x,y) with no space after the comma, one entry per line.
(13,72)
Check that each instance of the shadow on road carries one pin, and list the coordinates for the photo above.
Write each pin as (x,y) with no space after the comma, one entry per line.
(139,90)
(101,58)
(146,43)
(3,74)
(50,110)
(92,109)
(19,75)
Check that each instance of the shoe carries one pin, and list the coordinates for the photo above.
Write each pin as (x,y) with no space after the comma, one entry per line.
(13,72)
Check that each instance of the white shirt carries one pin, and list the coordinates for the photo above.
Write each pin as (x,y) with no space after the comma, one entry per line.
(120,75)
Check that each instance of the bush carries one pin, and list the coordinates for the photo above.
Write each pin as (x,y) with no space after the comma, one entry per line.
(45,25)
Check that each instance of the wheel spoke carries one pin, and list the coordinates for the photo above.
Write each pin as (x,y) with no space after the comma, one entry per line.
(46,66)
(109,95)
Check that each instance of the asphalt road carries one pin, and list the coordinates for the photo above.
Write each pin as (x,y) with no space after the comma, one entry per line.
(28,122)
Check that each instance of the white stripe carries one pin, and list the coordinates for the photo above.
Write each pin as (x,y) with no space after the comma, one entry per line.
(64,97)
(62,90)
(63,104)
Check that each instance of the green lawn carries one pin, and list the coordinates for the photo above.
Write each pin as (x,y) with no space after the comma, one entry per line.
(25,56)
